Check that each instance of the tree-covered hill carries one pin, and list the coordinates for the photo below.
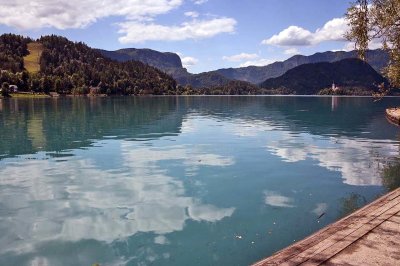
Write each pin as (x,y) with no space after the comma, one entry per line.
(69,67)
(311,78)
(12,50)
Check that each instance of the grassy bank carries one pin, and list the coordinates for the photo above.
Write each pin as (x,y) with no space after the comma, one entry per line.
(29,95)
(32,60)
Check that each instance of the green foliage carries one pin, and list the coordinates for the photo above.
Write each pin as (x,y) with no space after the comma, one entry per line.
(73,68)
(357,15)
(377,20)
(12,49)
(359,91)
(5,89)
(351,203)
(391,175)
(311,78)
(234,87)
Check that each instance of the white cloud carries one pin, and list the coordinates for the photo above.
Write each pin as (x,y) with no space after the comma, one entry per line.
(192,14)
(292,36)
(161,240)
(333,30)
(352,158)
(258,62)
(106,205)
(291,51)
(63,14)
(199,2)
(136,18)
(374,44)
(189,61)
(136,32)
(276,200)
(240,57)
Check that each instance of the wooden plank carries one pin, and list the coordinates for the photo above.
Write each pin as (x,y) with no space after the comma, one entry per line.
(336,237)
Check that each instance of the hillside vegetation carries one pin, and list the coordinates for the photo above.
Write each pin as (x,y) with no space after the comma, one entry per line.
(32,60)
(311,78)
(67,67)
(12,50)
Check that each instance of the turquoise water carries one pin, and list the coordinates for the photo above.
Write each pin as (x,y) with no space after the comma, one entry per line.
(184,180)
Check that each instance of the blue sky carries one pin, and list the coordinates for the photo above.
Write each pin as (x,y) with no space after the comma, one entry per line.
(207,34)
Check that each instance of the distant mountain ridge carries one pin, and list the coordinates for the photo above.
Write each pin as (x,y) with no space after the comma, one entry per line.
(172,65)
(309,79)
(378,59)
(160,60)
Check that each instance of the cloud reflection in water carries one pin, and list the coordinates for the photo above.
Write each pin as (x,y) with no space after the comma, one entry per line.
(73,200)
(359,160)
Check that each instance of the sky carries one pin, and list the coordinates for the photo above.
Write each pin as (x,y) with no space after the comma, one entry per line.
(207,34)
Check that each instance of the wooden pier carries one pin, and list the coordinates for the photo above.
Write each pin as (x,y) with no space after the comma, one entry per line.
(370,236)
(393,115)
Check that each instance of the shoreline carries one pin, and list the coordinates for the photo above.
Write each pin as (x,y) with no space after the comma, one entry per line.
(46,96)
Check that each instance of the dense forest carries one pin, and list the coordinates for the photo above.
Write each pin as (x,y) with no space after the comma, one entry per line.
(74,68)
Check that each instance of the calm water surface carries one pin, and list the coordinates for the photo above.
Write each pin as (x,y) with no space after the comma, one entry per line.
(186,180)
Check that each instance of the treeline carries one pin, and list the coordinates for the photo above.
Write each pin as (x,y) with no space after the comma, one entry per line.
(234,87)
(12,50)
(74,68)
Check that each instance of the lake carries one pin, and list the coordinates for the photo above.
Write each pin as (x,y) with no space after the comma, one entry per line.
(184,180)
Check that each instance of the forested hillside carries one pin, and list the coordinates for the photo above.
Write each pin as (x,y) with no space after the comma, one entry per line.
(311,78)
(67,67)
(12,50)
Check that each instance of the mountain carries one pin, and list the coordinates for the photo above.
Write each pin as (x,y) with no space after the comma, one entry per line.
(171,64)
(74,68)
(311,78)
(378,59)
(162,61)
(202,80)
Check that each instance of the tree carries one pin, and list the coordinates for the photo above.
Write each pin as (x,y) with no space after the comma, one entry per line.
(377,20)
(46,84)
(5,88)
(391,175)
(58,85)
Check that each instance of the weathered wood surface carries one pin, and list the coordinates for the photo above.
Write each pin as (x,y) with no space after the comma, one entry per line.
(370,236)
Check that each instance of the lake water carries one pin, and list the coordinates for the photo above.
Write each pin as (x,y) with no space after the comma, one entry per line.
(184,180)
